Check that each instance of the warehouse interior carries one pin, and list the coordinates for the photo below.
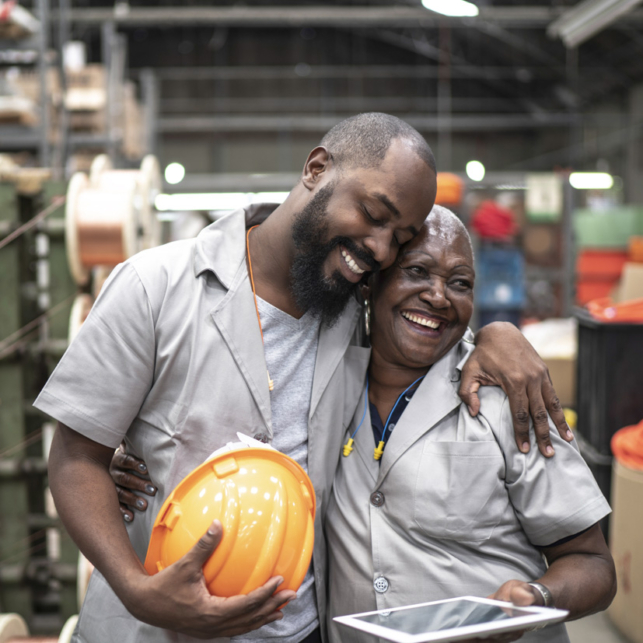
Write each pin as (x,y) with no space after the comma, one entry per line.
(131,124)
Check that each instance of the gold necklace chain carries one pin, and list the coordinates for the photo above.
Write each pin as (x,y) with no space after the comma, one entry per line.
(271,384)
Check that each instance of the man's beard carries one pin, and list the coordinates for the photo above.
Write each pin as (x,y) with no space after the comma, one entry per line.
(325,297)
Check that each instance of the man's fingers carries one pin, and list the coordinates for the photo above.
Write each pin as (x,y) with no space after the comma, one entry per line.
(541,420)
(130,499)
(519,405)
(469,394)
(259,603)
(205,546)
(555,409)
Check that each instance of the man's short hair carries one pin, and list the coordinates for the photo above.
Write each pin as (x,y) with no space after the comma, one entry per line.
(363,140)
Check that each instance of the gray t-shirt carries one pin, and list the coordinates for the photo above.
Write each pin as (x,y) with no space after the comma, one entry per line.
(290,347)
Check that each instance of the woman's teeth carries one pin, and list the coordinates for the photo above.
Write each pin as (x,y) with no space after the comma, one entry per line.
(350,262)
(421,320)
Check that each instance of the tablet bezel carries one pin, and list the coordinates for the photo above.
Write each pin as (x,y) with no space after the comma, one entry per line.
(539,617)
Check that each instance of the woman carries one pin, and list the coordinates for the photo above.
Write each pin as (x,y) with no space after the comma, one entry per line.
(436,504)
(430,503)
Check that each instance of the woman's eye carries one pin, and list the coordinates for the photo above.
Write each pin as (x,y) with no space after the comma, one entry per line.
(417,270)
(462,284)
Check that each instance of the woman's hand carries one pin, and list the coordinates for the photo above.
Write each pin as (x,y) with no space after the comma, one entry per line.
(127,472)
(503,357)
(520,594)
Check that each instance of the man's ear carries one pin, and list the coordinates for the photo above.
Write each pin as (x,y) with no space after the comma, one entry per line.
(317,164)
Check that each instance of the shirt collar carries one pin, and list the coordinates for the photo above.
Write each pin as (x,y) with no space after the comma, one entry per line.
(221,247)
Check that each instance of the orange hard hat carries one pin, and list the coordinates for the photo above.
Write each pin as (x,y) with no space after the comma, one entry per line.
(266,504)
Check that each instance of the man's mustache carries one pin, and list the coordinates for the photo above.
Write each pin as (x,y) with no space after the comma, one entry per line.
(357,252)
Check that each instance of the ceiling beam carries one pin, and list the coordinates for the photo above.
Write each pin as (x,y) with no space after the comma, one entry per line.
(356,72)
(321,124)
(314,16)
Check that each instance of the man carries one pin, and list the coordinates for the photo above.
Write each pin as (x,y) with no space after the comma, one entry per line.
(171,359)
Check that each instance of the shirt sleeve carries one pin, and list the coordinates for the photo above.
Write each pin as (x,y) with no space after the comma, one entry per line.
(554,498)
(100,383)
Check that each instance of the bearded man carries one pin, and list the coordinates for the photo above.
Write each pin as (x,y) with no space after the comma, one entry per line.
(244,329)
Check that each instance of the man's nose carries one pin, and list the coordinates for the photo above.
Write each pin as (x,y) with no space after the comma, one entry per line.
(381,246)
(435,294)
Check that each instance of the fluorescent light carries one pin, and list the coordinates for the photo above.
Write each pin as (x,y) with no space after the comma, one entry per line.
(591,180)
(587,18)
(451,7)
(174,173)
(475,170)
(215,200)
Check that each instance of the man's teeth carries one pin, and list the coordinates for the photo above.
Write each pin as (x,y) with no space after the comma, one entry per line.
(421,320)
(350,262)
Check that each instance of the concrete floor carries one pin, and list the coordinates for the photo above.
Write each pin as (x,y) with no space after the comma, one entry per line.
(594,629)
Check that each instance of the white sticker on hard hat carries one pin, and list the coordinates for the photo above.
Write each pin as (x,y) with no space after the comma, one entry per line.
(245,441)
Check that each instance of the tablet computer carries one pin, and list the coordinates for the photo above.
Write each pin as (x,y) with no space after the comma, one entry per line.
(454,619)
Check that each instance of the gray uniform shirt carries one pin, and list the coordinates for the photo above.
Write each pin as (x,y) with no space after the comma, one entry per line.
(453,509)
(170,358)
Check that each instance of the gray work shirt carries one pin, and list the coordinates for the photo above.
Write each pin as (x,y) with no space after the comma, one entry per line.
(453,509)
(170,359)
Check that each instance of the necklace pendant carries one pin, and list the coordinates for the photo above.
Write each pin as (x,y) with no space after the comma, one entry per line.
(271,384)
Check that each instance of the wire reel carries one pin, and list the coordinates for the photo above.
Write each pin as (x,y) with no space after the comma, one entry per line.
(110,215)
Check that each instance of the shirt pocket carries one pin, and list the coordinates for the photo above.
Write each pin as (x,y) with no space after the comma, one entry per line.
(459,491)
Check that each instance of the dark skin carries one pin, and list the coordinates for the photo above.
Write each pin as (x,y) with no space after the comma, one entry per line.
(432,281)
(379,209)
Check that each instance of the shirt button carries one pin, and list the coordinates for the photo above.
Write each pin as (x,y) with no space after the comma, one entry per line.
(377,499)
(263,437)
(380,584)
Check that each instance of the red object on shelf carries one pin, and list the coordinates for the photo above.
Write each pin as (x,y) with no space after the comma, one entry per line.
(606,264)
(627,446)
(590,289)
(492,221)
(626,312)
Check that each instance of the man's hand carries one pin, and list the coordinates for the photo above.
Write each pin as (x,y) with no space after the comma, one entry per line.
(503,357)
(127,473)
(177,598)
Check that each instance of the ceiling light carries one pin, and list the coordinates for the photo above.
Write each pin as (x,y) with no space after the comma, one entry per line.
(210,201)
(475,170)
(591,180)
(174,173)
(451,7)
(587,18)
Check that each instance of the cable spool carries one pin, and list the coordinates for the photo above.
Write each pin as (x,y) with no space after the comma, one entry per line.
(85,569)
(110,215)
(100,227)
(68,629)
(79,311)
(12,626)
(146,184)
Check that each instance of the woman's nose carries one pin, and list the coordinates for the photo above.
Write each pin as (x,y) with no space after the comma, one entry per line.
(435,295)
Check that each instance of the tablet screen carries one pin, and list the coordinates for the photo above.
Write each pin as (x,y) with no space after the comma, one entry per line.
(442,616)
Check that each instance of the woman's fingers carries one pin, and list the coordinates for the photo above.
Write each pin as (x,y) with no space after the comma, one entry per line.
(126,512)
(132,482)
(130,499)
(122,460)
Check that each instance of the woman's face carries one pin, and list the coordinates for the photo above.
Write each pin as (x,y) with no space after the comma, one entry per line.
(421,305)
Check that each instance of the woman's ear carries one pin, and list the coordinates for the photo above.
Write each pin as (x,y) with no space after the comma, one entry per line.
(365,290)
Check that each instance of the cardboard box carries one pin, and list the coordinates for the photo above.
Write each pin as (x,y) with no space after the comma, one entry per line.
(626,543)
(563,377)
(631,284)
